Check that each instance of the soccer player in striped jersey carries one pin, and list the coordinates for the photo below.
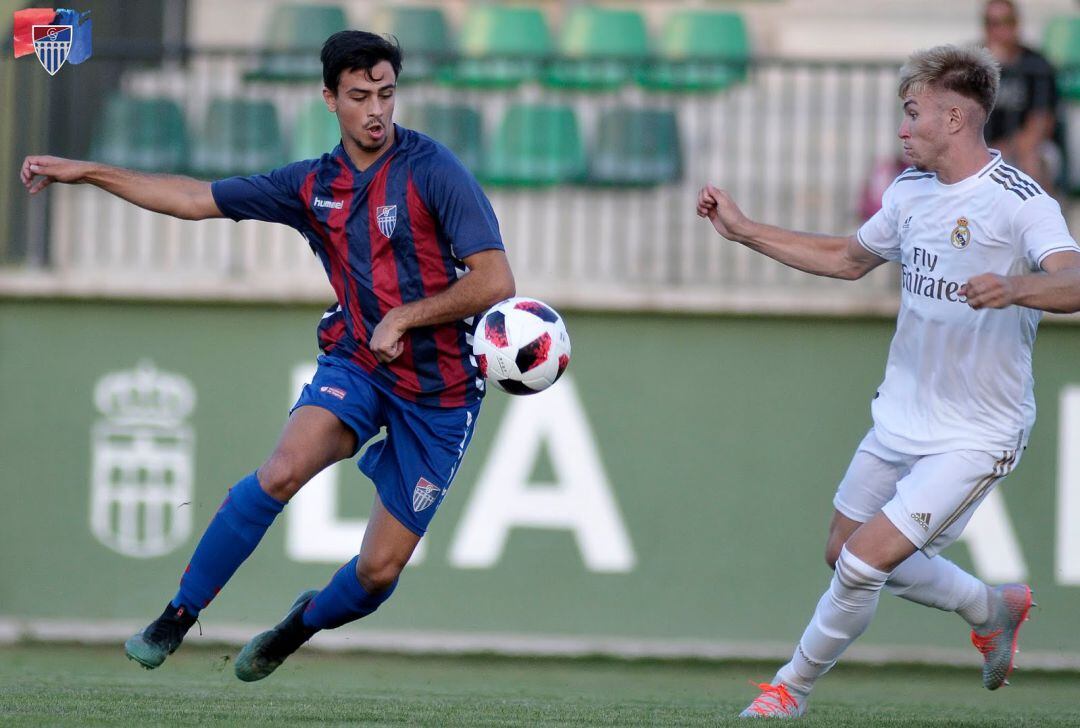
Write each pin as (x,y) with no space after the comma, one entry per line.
(412,249)
(983,250)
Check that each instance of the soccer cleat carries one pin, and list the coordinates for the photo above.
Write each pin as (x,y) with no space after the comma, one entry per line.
(266,651)
(996,637)
(160,638)
(775,701)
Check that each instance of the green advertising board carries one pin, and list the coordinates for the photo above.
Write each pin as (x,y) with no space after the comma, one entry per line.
(672,492)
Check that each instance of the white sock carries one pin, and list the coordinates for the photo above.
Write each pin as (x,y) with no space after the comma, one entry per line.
(843,613)
(939,583)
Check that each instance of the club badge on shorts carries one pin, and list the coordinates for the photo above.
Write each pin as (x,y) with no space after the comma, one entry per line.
(961,234)
(424,494)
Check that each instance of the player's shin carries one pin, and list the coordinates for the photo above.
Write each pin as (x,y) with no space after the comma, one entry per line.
(343,600)
(939,583)
(843,613)
(232,535)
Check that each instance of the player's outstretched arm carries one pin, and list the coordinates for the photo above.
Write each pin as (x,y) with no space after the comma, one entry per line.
(821,255)
(488,281)
(183,197)
(1057,290)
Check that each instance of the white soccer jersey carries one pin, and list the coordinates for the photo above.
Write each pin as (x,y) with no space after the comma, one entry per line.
(956,378)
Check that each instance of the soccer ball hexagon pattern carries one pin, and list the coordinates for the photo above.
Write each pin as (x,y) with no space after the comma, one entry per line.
(521,345)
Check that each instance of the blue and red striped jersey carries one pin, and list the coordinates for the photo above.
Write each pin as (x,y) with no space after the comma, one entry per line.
(391,234)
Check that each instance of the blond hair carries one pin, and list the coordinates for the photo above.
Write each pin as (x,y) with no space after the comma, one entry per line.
(970,71)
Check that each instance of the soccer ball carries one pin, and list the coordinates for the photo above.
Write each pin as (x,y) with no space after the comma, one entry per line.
(521,346)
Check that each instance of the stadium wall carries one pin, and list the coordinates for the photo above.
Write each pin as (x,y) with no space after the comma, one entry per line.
(670,497)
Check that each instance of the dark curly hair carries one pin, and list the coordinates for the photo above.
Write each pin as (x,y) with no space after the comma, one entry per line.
(351,50)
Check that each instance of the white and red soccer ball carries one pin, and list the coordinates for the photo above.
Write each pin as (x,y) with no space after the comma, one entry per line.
(521,345)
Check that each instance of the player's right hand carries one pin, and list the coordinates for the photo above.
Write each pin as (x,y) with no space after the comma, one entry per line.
(722,212)
(38,172)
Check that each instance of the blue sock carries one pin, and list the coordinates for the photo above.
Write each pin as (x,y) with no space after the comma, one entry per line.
(232,535)
(343,600)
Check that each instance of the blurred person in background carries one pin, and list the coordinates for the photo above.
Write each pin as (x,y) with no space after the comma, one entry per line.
(1023,121)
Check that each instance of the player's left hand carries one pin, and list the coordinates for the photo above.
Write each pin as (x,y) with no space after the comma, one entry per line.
(989,291)
(386,340)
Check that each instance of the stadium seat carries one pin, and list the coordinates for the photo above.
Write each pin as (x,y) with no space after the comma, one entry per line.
(293,39)
(699,50)
(599,48)
(316,131)
(636,147)
(423,35)
(1061,44)
(239,137)
(536,145)
(500,46)
(458,127)
(141,133)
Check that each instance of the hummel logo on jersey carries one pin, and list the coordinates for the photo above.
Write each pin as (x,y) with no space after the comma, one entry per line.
(923,519)
(335,204)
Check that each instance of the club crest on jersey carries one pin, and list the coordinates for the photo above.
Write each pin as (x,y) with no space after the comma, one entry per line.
(52,44)
(386,217)
(424,494)
(961,234)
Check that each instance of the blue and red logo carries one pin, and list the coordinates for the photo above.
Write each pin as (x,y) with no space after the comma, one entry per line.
(55,36)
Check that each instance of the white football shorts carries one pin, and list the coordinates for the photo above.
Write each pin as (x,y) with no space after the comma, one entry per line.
(929,498)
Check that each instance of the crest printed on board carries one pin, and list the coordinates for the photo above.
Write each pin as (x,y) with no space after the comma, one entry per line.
(143,461)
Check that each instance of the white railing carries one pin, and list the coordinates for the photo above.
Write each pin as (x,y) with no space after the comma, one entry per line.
(793,144)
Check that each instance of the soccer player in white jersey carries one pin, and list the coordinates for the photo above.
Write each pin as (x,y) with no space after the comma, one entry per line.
(982,252)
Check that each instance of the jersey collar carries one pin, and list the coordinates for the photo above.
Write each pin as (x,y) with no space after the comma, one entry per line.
(995,160)
(339,151)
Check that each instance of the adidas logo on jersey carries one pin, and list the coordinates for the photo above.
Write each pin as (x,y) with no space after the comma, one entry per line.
(335,204)
(923,519)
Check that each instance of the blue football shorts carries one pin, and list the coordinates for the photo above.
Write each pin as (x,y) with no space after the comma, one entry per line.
(414,465)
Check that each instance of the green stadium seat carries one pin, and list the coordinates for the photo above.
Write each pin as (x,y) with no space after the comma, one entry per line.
(500,46)
(635,147)
(536,145)
(141,133)
(1061,44)
(699,50)
(423,35)
(599,48)
(293,39)
(239,137)
(459,127)
(316,131)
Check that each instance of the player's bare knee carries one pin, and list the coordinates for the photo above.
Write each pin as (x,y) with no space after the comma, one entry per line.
(280,477)
(832,549)
(377,573)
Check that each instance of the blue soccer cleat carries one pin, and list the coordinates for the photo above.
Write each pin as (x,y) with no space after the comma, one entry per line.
(267,650)
(160,638)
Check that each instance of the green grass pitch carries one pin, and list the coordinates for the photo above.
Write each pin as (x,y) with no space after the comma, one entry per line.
(75,686)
